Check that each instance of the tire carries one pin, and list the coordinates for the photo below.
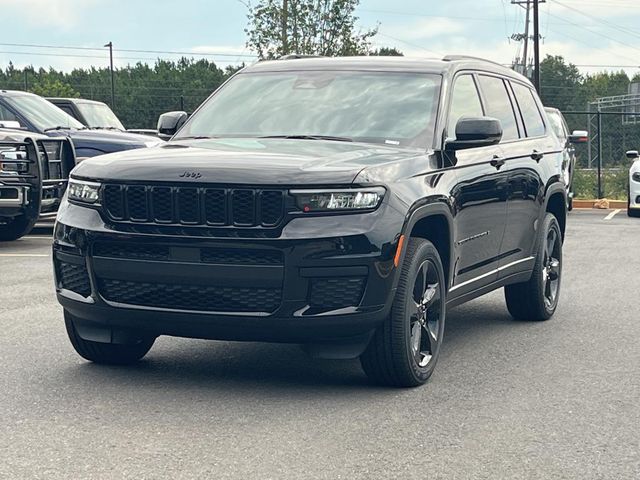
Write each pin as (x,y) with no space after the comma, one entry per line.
(569,204)
(631,212)
(537,299)
(106,353)
(16,228)
(405,348)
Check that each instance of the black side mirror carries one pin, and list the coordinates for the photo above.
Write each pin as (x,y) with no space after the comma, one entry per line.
(633,155)
(170,122)
(473,132)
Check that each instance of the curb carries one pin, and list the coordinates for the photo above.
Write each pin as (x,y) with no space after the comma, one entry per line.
(610,204)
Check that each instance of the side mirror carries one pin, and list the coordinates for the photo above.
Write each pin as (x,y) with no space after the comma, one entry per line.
(579,136)
(10,124)
(170,122)
(473,132)
(633,155)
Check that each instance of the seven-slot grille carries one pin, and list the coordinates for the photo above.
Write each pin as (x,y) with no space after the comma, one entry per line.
(240,207)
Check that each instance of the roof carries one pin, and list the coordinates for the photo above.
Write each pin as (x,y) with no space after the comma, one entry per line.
(448,64)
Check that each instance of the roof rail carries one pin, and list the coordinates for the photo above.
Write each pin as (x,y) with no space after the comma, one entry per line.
(453,58)
(296,56)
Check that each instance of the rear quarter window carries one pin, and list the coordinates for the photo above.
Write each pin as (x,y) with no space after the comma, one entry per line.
(531,116)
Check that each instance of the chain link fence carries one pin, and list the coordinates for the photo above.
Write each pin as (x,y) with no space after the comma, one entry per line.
(602,166)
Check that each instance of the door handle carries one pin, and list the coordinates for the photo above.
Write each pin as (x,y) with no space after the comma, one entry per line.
(536,155)
(497,162)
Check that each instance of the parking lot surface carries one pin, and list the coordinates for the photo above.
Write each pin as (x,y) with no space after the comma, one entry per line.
(558,399)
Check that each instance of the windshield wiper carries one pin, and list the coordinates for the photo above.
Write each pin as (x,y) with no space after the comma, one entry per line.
(311,137)
(63,127)
(194,137)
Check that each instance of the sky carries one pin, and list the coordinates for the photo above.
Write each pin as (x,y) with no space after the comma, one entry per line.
(593,34)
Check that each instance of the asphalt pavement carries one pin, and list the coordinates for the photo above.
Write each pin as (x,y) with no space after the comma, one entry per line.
(558,399)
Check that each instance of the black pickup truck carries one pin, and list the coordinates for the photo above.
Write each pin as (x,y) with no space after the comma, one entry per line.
(35,114)
(34,170)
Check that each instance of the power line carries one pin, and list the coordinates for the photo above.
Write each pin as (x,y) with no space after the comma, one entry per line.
(600,20)
(130,50)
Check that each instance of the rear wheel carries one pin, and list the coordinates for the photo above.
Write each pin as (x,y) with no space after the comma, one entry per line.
(16,227)
(107,353)
(405,348)
(537,299)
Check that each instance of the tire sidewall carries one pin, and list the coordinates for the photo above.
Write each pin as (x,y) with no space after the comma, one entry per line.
(425,252)
(550,223)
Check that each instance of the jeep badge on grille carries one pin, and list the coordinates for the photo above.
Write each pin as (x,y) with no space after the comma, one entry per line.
(188,174)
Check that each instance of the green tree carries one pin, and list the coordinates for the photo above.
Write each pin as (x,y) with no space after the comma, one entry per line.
(386,52)
(306,27)
(48,87)
(560,84)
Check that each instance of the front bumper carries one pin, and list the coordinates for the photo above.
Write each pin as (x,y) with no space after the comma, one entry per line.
(634,194)
(323,279)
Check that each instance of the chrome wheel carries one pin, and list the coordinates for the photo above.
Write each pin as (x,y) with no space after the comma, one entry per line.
(426,313)
(551,268)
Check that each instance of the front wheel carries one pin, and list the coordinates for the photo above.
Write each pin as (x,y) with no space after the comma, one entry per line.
(405,348)
(537,299)
(107,353)
(16,228)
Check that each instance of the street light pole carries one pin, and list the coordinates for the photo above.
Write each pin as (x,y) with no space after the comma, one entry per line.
(113,88)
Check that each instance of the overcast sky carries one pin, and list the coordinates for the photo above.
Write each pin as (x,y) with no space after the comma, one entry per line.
(585,32)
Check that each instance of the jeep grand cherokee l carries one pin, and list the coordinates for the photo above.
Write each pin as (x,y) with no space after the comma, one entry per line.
(343,204)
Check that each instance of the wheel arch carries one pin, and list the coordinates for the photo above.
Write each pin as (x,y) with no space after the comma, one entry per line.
(434,222)
(556,204)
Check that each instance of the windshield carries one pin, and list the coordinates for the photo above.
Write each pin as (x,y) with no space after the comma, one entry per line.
(42,113)
(98,115)
(391,108)
(557,124)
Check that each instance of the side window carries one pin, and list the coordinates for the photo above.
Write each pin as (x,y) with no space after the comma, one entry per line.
(465,102)
(498,105)
(5,114)
(531,116)
(67,109)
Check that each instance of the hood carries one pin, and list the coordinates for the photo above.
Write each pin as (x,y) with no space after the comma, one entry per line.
(245,161)
(106,141)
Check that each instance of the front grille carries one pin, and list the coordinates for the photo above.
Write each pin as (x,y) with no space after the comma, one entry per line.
(217,207)
(233,256)
(74,277)
(191,297)
(333,293)
(127,250)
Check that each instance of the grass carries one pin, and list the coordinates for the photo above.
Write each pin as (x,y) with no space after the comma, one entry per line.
(615,184)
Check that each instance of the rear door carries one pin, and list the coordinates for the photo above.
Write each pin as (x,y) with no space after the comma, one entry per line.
(531,159)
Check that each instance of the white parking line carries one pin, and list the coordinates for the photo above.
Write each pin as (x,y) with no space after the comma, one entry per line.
(613,214)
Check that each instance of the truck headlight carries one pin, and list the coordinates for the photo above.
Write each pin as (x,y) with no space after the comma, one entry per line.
(636,177)
(82,191)
(310,201)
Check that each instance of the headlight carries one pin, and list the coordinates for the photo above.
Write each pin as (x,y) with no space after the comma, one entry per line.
(636,177)
(338,200)
(81,191)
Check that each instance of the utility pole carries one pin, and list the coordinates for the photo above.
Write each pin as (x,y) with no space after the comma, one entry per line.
(285,42)
(536,44)
(113,87)
(526,4)
(525,56)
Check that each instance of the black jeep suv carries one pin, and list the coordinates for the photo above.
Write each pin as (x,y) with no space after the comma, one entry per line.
(343,204)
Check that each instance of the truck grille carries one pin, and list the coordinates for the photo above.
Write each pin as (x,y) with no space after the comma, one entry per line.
(240,207)
(191,297)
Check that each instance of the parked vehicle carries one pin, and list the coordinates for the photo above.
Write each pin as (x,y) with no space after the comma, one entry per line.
(35,114)
(94,114)
(633,202)
(34,170)
(344,204)
(568,165)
